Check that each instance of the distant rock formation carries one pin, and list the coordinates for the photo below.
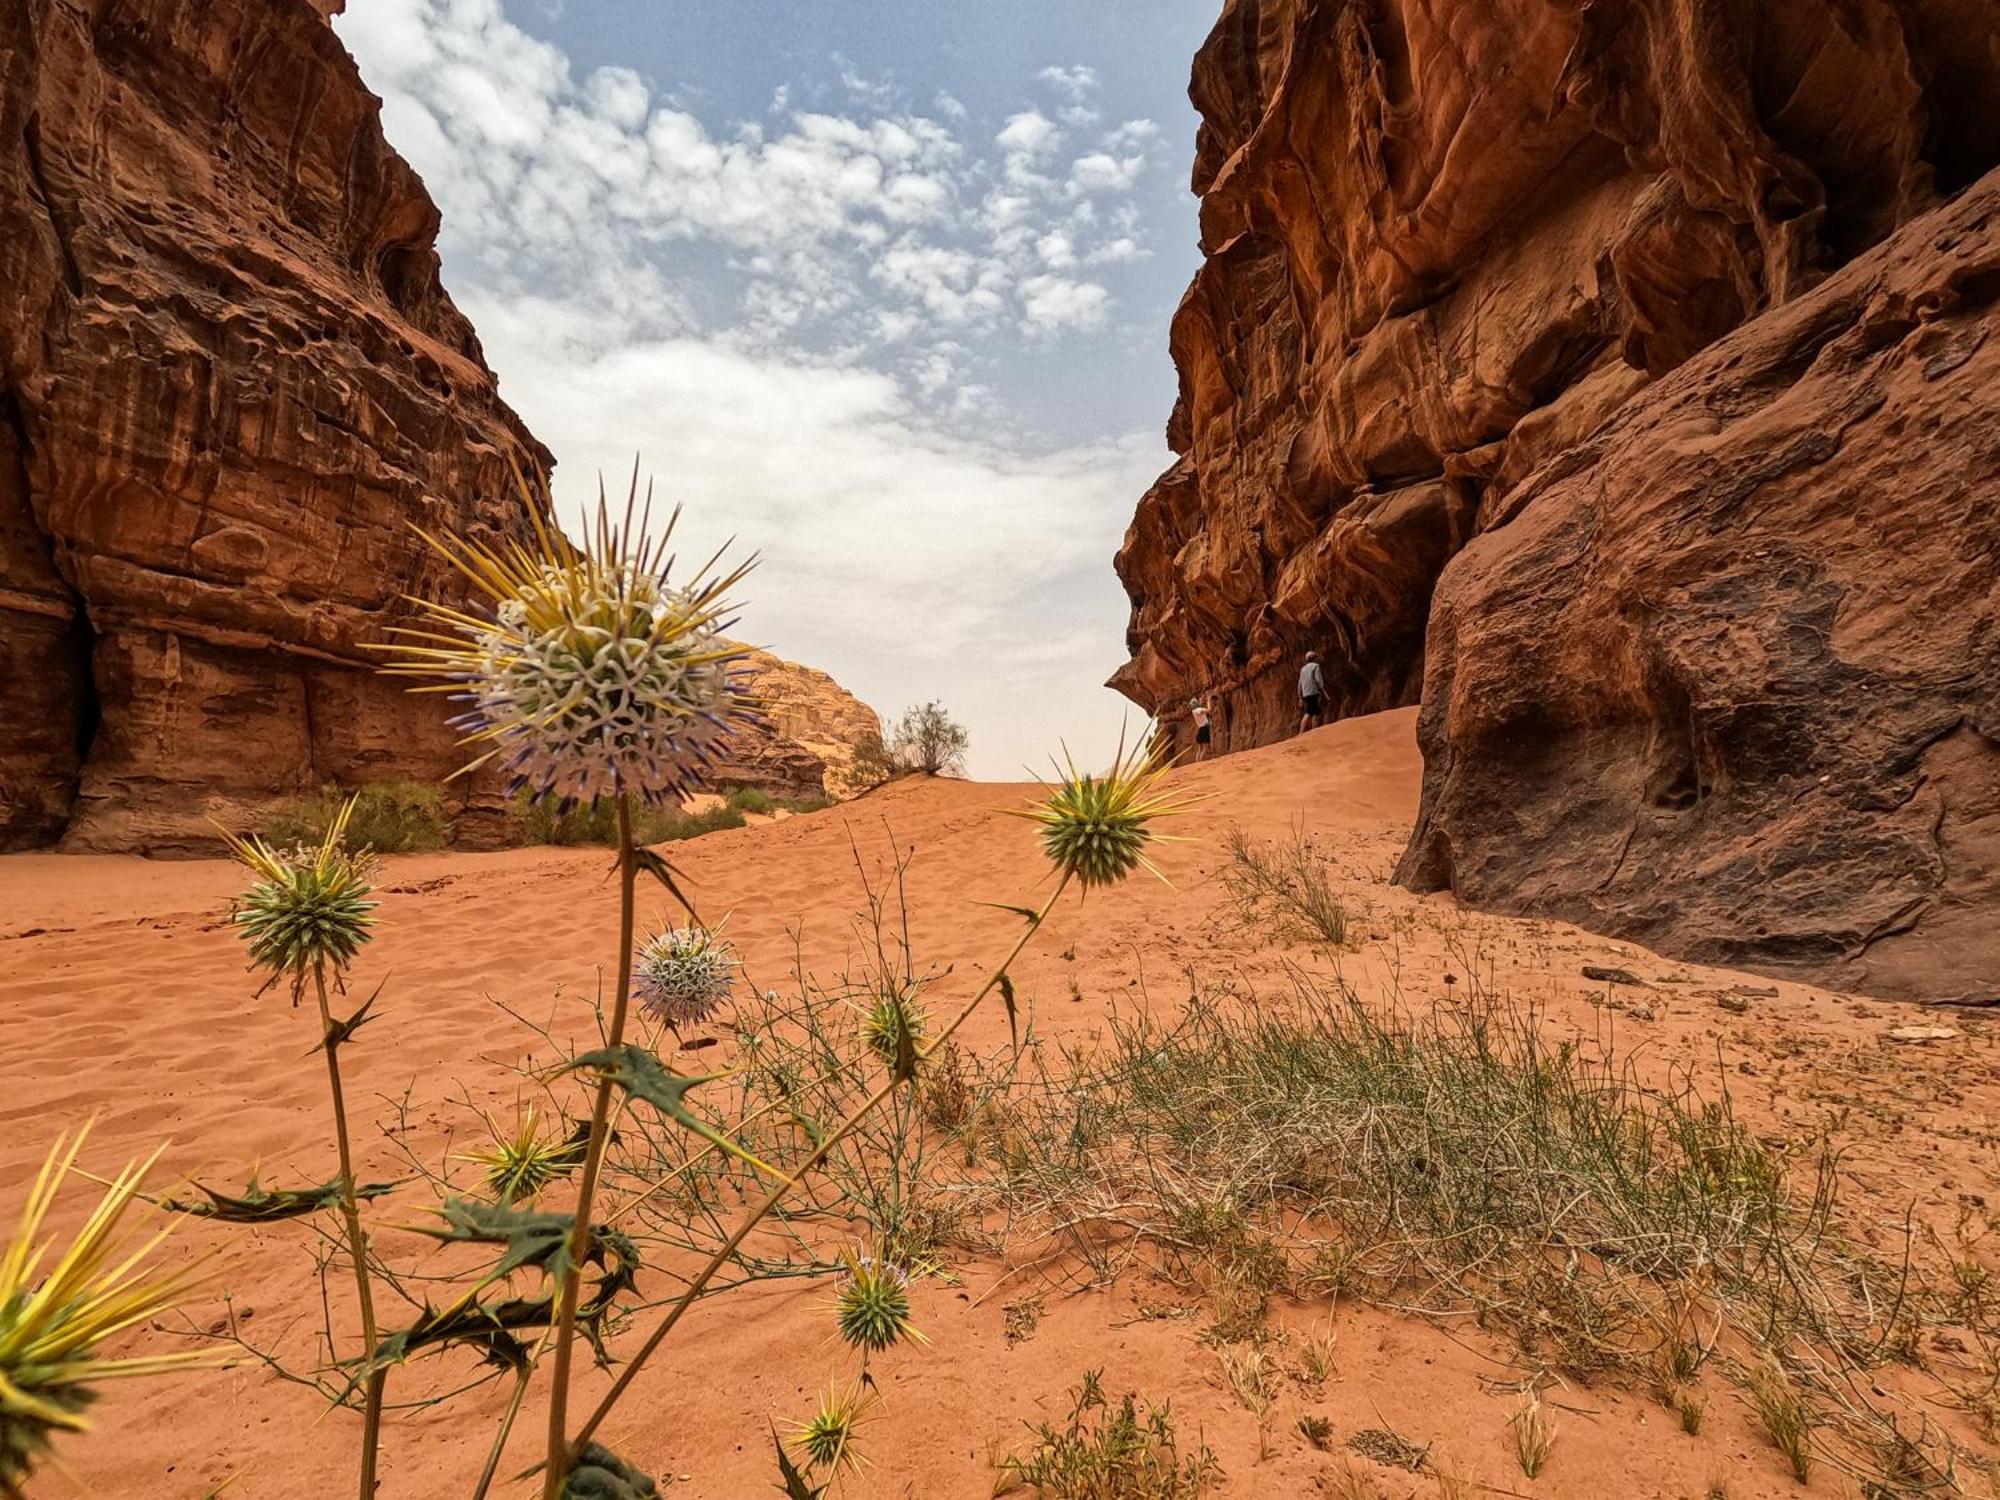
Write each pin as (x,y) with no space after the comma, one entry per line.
(1725,677)
(811,729)
(1444,241)
(229,381)
(1450,249)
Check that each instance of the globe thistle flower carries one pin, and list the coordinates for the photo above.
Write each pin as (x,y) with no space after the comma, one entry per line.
(1095,828)
(58,1307)
(872,1307)
(683,974)
(826,1440)
(309,909)
(894,1012)
(590,674)
(521,1162)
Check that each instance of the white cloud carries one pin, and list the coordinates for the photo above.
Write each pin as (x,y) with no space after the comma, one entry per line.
(795,319)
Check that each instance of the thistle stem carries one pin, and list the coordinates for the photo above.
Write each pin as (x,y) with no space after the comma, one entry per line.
(506,1429)
(771,1199)
(559,1453)
(357,1242)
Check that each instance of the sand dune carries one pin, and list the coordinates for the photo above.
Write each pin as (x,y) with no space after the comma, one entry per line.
(123,997)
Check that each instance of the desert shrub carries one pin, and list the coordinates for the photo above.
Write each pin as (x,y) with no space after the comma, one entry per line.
(927,739)
(1103,1452)
(389,817)
(811,803)
(870,763)
(542,822)
(1281,886)
(752,799)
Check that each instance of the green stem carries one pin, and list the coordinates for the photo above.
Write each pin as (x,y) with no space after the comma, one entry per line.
(771,1199)
(506,1428)
(357,1243)
(558,1464)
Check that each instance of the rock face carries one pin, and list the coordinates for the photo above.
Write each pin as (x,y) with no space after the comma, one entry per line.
(1710,634)
(810,732)
(1445,240)
(229,380)
(1725,676)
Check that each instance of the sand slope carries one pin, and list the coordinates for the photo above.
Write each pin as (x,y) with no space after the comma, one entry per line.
(122,996)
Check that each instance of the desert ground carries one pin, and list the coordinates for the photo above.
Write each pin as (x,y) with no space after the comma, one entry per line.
(123,999)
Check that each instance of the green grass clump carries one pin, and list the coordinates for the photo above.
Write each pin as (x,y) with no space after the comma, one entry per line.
(395,816)
(1102,1452)
(541,822)
(752,799)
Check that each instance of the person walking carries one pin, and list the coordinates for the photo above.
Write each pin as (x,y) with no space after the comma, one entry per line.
(1198,710)
(1312,693)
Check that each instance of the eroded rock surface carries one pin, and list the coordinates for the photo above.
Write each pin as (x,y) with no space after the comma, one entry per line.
(1447,239)
(1727,679)
(809,732)
(229,380)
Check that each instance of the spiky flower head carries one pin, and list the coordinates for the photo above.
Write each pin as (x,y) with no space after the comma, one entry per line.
(57,1307)
(1095,828)
(590,673)
(682,974)
(520,1162)
(826,1440)
(894,1012)
(309,910)
(872,1307)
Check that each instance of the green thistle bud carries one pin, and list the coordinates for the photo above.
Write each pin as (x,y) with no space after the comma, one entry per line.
(522,1162)
(872,1307)
(826,1440)
(1095,828)
(894,1013)
(309,909)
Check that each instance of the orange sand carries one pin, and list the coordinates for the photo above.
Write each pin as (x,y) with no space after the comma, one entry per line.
(123,996)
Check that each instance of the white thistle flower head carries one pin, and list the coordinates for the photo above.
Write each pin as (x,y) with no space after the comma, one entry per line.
(595,675)
(683,974)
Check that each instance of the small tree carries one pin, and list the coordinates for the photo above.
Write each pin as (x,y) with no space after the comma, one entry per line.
(927,739)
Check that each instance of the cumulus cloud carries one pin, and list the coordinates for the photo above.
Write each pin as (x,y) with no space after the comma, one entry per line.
(794,316)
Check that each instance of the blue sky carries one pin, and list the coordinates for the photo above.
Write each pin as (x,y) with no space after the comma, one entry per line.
(882,290)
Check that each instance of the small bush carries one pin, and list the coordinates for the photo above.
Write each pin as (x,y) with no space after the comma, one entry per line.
(927,739)
(1128,1452)
(818,802)
(752,799)
(390,817)
(541,822)
(1282,887)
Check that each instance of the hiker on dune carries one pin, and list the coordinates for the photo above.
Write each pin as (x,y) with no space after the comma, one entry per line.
(1198,710)
(1312,693)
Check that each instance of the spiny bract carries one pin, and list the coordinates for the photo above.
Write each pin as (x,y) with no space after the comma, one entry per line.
(594,675)
(521,1162)
(309,909)
(872,1306)
(683,974)
(54,1317)
(1095,828)
(826,1441)
(894,1012)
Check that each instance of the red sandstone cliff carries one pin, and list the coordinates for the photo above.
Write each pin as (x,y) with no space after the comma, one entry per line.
(1445,239)
(1711,672)
(229,380)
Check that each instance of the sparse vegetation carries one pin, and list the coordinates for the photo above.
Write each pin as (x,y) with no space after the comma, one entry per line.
(1102,1452)
(385,817)
(1786,1415)
(1281,886)
(541,821)
(926,739)
(1534,1435)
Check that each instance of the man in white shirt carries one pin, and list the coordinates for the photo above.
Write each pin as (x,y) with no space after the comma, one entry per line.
(1198,711)
(1312,693)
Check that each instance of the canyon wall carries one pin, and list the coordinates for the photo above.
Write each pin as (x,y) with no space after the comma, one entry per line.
(1454,252)
(230,380)
(1444,240)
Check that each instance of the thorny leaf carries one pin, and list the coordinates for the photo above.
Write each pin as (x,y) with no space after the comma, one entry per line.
(533,1237)
(905,1061)
(601,1474)
(257,1206)
(1013,1013)
(643,1076)
(652,863)
(795,1486)
(1033,917)
(343,1031)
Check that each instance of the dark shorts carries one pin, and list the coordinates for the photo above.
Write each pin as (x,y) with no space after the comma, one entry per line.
(1310,703)
(1201,735)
